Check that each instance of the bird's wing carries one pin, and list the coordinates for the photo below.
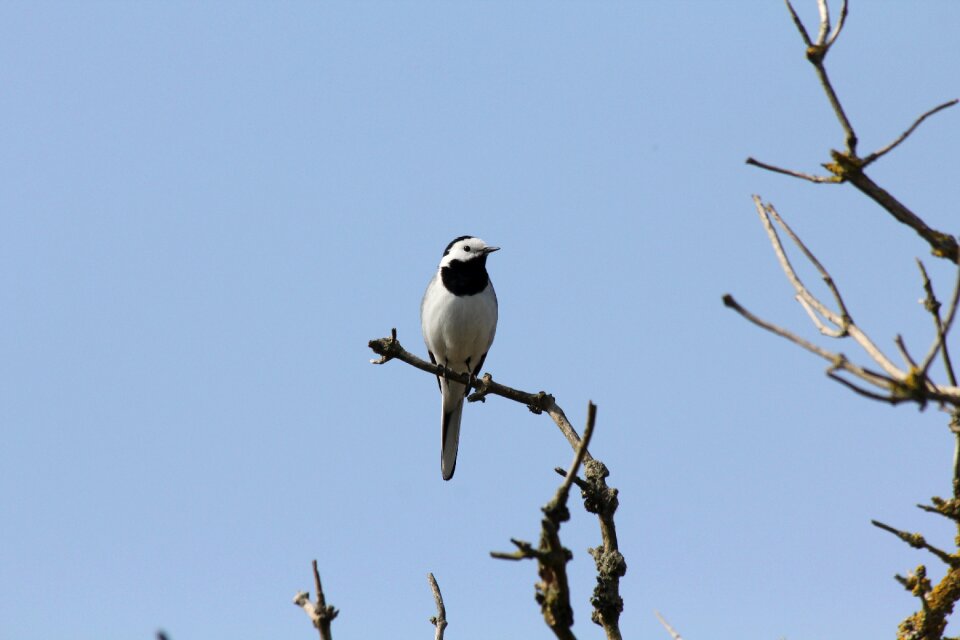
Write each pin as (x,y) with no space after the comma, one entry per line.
(434,361)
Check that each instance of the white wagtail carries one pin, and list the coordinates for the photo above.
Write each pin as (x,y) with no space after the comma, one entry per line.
(458,317)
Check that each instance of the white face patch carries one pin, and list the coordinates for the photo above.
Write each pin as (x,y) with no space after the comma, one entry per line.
(464,250)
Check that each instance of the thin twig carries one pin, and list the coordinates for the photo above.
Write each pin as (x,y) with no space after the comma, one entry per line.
(815,56)
(932,305)
(899,386)
(840,21)
(524,551)
(439,621)
(943,328)
(799,25)
(904,353)
(817,322)
(866,393)
(824,22)
(843,315)
(840,319)
(581,451)
(765,212)
(949,509)
(666,625)
(917,541)
(834,358)
(903,136)
(790,172)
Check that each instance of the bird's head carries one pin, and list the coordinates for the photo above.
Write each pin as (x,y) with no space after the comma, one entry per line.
(465,249)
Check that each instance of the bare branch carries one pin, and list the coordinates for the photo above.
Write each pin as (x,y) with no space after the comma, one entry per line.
(524,551)
(799,25)
(321,614)
(818,323)
(602,500)
(673,633)
(816,52)
(553,590)
(900,390)
(439,621)
(904,353)
(894,385)
(765,212)
(943,328)
(840,22)
(815,55)
(942,245)
(903,136)
(385,355)
(917,541)
(560,419)
(564,490)
(390,348)
(890,399)
(840,319)
(932,305)
(847,166)
(795,174)
(839,360)
(949,509)
(824,22)
(843,316)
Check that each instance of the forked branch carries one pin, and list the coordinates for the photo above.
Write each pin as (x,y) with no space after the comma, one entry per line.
(321,614)
(892,384)
(553,589)
(598,497)
(847,165)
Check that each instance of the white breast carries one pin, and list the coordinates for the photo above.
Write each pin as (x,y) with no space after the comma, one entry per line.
(458,328)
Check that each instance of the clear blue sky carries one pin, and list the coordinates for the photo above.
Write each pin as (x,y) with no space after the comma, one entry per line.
(207,210)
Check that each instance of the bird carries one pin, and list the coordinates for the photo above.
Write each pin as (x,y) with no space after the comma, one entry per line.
(458,317)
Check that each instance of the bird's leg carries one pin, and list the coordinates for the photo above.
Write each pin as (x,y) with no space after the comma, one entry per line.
(472,376)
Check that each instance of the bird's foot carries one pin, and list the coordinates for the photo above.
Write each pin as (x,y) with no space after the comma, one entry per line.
(482,386)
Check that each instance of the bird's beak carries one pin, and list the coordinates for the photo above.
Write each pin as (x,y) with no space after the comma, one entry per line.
(487,250)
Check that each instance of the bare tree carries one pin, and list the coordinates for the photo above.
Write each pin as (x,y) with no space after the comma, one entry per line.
(879,377)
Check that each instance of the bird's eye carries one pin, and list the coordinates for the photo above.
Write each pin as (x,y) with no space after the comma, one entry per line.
(466,247)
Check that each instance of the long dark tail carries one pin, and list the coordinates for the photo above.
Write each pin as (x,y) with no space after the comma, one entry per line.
(450,440)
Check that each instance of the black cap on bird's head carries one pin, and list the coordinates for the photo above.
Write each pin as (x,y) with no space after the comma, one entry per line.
(466,248)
